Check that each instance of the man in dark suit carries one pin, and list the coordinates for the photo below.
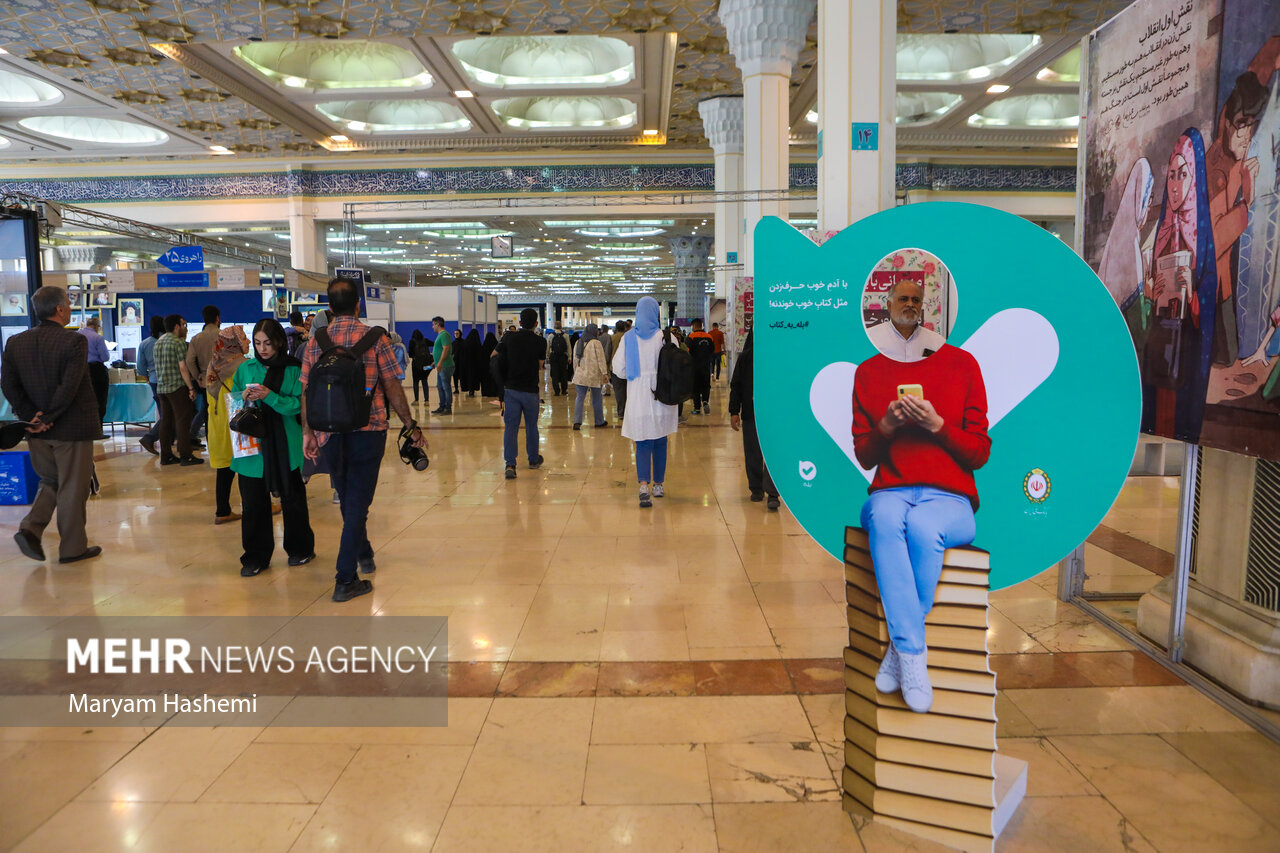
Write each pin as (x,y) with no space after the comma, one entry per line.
(45,376)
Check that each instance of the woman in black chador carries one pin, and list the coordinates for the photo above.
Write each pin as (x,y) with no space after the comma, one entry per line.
(488,386)
(473,354)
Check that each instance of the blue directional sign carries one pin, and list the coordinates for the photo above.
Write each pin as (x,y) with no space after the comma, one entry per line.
(866,136)
(182,279)
(183,259)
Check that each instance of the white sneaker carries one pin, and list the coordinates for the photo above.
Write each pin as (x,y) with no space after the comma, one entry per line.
(887,677)
(914,674)
(657,490)
(644,496)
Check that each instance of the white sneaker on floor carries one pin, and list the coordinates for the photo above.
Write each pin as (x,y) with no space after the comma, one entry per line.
(644,496)
(657,491)
(887,679)
(917,692)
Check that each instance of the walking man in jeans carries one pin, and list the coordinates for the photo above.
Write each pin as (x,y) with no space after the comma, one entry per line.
(520,358)
(442,354)
(177,391)
(353,458)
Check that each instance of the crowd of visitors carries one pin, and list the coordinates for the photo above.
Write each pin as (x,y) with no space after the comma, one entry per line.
(314,396)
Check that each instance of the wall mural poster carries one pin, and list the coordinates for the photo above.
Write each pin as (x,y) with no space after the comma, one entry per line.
(1181,210)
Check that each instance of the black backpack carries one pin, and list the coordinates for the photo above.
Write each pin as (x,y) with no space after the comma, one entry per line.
(559,345)
(337,400)
(674,384)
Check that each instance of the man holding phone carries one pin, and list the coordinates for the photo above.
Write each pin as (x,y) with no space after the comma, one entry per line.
(922,423)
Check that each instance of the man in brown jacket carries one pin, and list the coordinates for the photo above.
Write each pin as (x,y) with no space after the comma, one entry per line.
(45,376)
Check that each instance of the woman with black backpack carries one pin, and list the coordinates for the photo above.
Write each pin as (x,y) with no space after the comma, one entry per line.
(647,421)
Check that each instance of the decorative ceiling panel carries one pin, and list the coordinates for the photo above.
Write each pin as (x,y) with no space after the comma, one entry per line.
(105,43)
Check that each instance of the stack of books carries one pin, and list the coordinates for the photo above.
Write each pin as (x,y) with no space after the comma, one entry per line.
(934,774)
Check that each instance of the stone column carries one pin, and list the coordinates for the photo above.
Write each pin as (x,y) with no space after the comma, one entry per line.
(857,68)
(307,249)
(722,123)
(84,257)
(765,37)
(690,253)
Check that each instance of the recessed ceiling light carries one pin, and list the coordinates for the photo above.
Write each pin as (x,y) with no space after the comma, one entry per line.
(648,131)
(811,116)
(219,149)
(463,93)
(997,89)
(338,137)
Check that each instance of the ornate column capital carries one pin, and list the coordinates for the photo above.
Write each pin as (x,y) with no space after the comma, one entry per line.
(84,257)
(722,122)
(765,36)
(690,253)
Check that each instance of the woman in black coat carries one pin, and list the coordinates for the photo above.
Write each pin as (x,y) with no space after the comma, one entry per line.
(742,416)
(420,363)
(477,364)
(459,361)
(488,387)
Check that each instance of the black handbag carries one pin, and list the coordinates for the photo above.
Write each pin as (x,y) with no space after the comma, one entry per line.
(248,421)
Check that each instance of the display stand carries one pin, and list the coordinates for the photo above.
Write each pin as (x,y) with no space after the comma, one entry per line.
(936,775)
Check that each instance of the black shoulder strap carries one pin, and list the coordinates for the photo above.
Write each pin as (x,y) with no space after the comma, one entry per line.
(323,339)
(666,337)
(370,338)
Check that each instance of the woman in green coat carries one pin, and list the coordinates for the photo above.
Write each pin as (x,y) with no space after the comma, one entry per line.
(272,382)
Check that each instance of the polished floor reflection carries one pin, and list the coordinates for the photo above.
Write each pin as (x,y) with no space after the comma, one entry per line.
(665,679)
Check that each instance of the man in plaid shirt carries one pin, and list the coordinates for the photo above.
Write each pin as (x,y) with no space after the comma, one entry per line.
(353,458)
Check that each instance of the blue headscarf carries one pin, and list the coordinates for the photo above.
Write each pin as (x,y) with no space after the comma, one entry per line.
(647,320)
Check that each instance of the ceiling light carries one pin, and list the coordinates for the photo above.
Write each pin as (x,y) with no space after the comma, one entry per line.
(345,64)
(219,149)
(967,57)
(811,116)
(338,137)
(22,90)
(547,61)
(107,131)
(565,112)
(463,93)
(396,116)
(997,89)
(648,131)
(1042,112)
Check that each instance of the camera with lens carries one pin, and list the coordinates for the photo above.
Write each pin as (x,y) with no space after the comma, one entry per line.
(410,455)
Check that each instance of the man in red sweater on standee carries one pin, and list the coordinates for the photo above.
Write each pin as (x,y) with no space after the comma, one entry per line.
(923,423)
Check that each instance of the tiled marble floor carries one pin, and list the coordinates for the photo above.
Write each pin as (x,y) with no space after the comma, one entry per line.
(621,680)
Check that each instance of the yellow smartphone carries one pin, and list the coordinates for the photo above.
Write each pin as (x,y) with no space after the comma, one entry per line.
(916,391)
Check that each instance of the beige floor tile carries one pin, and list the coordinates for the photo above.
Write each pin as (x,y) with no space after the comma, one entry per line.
(1245,763)
(826,715)
(812,642)
(644,645)
(1049,773)
(770,772)
(92,828)
(1053,824)
(40,777)
(174,765)
(466,716)
(769,652)
(218,827)
(700,719)
(1165,796)
(1122,710)
(773,827)
(648,774)
(389,798)
(543,644)
(281,773)
(591,829)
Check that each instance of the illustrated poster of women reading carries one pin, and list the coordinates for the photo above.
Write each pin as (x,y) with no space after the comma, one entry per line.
(1184,294)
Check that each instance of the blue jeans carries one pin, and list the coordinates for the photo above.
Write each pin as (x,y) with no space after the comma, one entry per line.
(651,455)
(353,459)
(597,403)
(444,376)
(909,528)
(518,404)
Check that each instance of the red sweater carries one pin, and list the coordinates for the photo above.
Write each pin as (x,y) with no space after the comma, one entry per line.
(913,456)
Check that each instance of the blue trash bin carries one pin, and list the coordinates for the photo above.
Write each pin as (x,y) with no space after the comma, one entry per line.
(18,480)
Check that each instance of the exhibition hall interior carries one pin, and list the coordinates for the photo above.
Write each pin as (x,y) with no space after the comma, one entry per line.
(844,426)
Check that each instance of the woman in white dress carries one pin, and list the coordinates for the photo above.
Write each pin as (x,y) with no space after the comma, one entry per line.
(646,422)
